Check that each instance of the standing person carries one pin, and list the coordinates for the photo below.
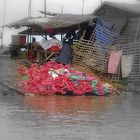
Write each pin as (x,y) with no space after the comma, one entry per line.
(66,51)
(33,50)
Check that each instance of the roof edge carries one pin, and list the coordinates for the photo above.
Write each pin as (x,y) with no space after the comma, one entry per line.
(116,5)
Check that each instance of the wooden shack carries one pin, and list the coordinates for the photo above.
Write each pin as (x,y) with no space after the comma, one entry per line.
(126,19)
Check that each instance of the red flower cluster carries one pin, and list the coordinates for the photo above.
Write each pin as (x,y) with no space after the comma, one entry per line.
(53,78)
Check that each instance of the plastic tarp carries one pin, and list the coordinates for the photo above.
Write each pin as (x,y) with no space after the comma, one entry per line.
(116,25)
(46,44)
(104,36)
(105,24)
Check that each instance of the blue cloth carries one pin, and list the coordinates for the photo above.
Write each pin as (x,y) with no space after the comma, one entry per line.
(103,32)
(104,36)
(105,24)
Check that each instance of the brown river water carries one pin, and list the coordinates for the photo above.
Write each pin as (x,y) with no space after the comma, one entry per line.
(67,117)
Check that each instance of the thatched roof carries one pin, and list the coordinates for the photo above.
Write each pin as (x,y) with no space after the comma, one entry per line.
(131,8)
(65,20)
(57,21)
(40,31)
(27,22)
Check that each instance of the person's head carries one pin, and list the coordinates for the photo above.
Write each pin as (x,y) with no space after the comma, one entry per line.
(68,34)
(51,35)
(33,39)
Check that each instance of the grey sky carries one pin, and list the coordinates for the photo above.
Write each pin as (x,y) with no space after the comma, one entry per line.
(17,9)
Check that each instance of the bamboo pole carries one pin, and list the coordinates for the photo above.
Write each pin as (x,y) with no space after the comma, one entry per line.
(83,7)
(3,27)
(29,9)
(45,8)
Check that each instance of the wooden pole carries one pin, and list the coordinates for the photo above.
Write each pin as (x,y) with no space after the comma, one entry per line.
(101,1)
(83,6)
(45,8)
(29,9)
(29,16)
(3,27)
(62,9)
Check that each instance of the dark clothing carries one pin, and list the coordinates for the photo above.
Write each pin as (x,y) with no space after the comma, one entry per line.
(70,36)
(65,54)
(88,31)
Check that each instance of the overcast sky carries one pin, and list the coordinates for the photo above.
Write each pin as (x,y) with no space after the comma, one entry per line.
(17,9)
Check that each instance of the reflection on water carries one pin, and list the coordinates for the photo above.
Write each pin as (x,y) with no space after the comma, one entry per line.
(68,105)
(70,118)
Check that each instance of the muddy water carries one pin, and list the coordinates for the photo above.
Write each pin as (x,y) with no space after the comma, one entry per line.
(65,118)
(70,118)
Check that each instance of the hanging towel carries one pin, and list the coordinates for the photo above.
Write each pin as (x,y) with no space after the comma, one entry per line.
(114,61)
(126,65)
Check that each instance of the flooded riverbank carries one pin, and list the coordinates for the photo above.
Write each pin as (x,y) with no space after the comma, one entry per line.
(66,117)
